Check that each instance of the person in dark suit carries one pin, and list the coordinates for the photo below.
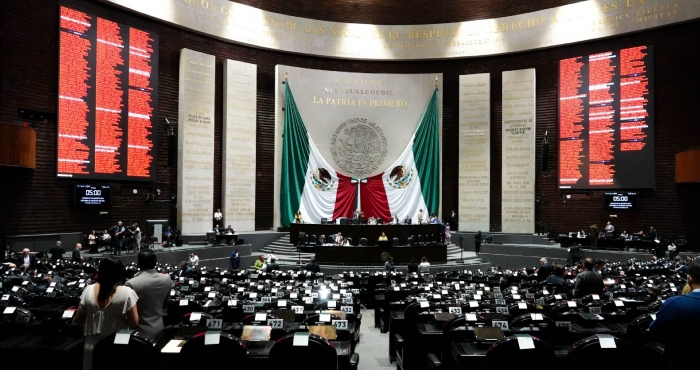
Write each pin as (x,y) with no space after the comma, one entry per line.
(453,220)
(677,318)
(8,255)
(413,266)
(588,281)
(477,242)
(153,289)
(545,270)
(235,259)
(57,252)
(312,266)
(184,270)
(27,260)
(76,253)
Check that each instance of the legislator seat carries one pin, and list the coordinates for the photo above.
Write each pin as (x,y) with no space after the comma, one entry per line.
(395,242)
(224,349)
(363,242)
(317,353)
(109,355)
(618,353)
(511,353)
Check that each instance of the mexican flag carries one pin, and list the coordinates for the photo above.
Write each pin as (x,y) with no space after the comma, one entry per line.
(309,184)
(412,182)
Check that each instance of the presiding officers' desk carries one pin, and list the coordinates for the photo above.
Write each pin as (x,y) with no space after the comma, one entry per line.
(371,232)
(363,255)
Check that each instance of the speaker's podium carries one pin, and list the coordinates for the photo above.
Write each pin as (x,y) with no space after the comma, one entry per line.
(156,226)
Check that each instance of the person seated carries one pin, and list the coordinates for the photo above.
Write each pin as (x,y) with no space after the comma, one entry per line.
(581,234)
(395,220)
(557,276)
(383,237)
(434,220)
(298,219)
(407,220)
(259,263)
(346,242)
(652,233)
(229,233)
(625,236)
(184,271)
(321,240)
(8,255)
(371,220)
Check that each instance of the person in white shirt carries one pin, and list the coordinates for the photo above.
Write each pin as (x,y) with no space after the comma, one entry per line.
(338,238)
(395,220)
(420,217)
(271,258)
(137,236)
(218,216)
(194,260)
(581,234)
(424,266)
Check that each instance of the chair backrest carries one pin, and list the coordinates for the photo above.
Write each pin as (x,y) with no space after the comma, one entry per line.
(421,239)
(196,352)
(319,354)
(363,242)
(396,242)
(145,354)
(507,353)
(411,240)
(622,355)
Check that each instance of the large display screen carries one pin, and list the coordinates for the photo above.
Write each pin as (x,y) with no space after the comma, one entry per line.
(606,120)
(91,195)
(107,99)
(627,200)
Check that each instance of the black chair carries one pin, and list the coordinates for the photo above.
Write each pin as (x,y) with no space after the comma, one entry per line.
(421,239)
(411,241)
(330,239)
(623,355)
(681,242)
(229,350)
(506,353)
(312,239)
(363,242)
(320,350)
(395,242)
(144,354)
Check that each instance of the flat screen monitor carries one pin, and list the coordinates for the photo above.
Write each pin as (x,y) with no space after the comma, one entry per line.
(91,195)
(621,200)
(606,120)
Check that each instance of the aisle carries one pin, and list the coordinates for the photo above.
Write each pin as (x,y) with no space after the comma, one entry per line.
(374,346)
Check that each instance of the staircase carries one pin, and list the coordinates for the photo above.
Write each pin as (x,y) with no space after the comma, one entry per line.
(287,253)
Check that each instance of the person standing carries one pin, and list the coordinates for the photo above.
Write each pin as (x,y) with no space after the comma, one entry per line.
(453,220)
(413,266)
(339,238)
(235,259)
(153,290)
(588,281)
(218,216)
(420,217)
(137,236)
(448,235)
(106,307)
(389,264)
(312,266)
(76,257)
(92,242)
(679,315)
(298,218)
(57,252)
(609,229)
(119,234)
(477,242)
(194,260)
(424,266)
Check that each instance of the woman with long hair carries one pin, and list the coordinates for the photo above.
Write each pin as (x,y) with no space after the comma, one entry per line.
(106,307)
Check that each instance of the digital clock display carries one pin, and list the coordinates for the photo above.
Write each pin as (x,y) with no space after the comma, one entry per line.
(91,195)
